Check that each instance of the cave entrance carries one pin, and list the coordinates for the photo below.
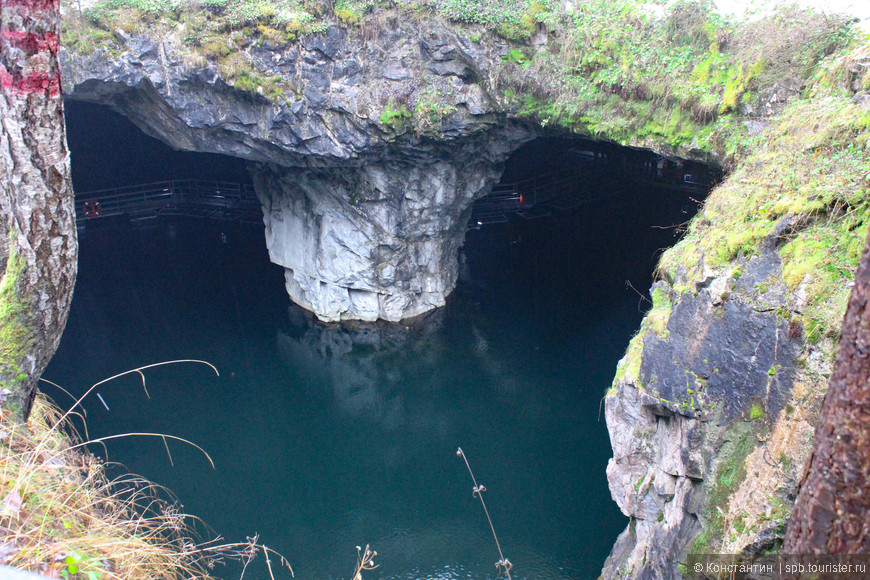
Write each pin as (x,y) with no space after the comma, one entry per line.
(571,235)
(108,151)
(328,436)
(556,175)
(121,174)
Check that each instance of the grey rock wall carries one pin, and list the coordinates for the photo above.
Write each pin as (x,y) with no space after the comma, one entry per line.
(380,241)
(685,416)
(366,216)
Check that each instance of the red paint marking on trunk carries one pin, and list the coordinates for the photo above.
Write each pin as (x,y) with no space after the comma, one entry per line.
(30,42)
(39,82)
(34,4)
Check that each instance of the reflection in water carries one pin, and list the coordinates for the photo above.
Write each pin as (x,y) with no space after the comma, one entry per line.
(371,368)
(365,364)
(420,389)
(328,436)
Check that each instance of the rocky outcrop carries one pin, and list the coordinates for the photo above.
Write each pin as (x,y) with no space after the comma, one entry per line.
(379,241)
(691,403)
(367,153)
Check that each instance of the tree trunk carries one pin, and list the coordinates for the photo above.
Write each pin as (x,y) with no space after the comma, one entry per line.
(38,247)
(832,514)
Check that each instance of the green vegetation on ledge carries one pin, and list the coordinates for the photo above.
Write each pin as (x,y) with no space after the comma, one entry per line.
(684,77)
(679,78)
(805,181)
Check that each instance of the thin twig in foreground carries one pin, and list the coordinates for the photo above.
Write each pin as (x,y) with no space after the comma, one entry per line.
(503,564)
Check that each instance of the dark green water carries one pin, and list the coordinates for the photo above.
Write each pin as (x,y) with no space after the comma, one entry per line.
(328,437)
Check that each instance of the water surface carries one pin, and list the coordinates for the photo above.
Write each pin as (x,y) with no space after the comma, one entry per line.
(325,437)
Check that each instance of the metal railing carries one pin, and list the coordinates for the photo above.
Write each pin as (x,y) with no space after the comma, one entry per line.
(584,183)
(188,197)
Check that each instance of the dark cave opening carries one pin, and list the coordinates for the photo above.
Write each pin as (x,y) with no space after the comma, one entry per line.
(108,151)
(514,369)
(603,215)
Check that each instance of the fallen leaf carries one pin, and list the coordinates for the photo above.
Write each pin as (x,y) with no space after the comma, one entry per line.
(11,505)
(6,550)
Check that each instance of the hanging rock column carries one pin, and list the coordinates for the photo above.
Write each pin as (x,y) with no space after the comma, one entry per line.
(376,241)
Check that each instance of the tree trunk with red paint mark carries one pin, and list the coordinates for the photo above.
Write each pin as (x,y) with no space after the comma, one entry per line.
(832,514)
(38,247)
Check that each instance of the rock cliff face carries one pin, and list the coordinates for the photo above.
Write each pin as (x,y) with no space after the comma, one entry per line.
(365,209)
(379,241)
(367,149)
(700,414)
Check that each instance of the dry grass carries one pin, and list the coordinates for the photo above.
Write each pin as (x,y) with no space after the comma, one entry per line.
(503,565)
(61,516)
(364,561)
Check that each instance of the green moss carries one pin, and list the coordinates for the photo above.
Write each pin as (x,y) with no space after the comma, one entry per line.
(434,102)
(395,117)
(732,469)
(349,16)
(17,339)
(87,39)
(701,72)
(629,368)
(658,316)
(215,47)
(729,473)
(13,311)
(515,55)
(810,174)
(756,412)
(639,483)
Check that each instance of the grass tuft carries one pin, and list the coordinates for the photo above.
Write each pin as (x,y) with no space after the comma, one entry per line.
(61,516)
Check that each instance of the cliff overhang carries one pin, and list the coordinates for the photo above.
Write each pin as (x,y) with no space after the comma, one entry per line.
(365,215)
(367,142)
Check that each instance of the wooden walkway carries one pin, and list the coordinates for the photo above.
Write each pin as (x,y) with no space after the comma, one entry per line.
(585,182)
(214,200)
